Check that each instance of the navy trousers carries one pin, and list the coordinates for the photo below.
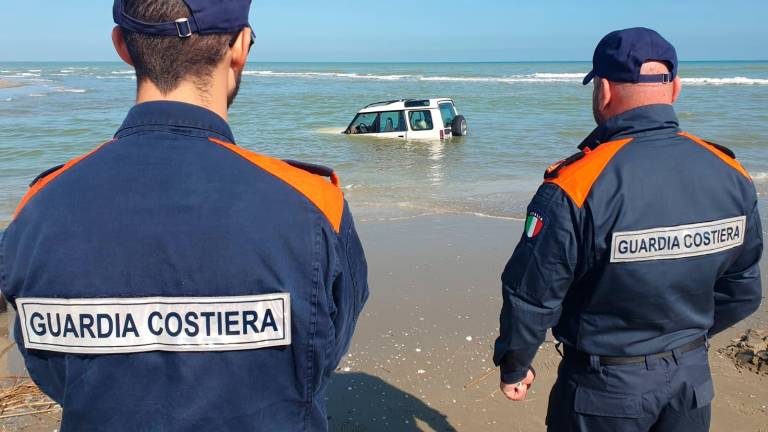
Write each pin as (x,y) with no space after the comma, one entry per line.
(661,395)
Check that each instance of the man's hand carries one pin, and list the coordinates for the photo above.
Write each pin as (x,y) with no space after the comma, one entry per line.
(518,392)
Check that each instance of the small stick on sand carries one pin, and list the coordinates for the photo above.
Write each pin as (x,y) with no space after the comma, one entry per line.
(27,413)
(480,379)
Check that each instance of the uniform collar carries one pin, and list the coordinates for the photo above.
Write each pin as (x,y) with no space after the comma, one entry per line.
(645,119)
(165,114)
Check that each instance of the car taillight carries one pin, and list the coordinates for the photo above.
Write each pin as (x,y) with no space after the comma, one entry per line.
(442,134)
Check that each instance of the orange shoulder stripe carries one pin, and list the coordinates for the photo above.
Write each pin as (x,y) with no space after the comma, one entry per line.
(43,182)
(733,163)
(578,178)
(326,196)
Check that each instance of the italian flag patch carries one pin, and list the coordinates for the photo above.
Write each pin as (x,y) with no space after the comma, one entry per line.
(533,225)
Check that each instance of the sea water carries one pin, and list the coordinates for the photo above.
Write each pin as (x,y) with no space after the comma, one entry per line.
(522,117)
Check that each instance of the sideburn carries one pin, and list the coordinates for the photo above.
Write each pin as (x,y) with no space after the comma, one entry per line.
(233,94)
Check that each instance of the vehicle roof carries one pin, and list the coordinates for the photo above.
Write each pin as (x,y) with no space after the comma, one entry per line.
(400,104)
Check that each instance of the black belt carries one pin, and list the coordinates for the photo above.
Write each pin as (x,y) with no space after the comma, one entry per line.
(572,355)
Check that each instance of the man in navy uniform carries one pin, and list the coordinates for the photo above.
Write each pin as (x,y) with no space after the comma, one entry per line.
(171,279)
(636,250)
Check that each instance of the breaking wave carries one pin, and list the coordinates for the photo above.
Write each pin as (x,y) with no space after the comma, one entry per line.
(725,81)
(541,77)
(327,75)
(531,78)
(537,77)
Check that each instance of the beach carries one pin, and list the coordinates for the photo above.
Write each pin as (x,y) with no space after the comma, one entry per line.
(421,355)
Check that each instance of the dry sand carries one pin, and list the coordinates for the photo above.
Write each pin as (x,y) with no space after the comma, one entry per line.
(426,336)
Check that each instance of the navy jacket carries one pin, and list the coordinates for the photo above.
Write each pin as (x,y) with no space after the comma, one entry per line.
(642,242)
(173,209)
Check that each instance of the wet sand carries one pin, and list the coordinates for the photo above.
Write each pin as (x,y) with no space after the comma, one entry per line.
(9,84)
(425,339)
(429,328)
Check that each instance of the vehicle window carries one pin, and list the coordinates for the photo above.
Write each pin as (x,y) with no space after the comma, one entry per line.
(364,123)
(416,103)
(448,112)
(392,121)
(421,120)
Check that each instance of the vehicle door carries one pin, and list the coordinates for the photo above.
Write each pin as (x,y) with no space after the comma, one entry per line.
(392,125)
(421,125)
(364,124)
(447,113)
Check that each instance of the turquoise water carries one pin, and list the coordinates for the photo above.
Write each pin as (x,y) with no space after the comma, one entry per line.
(522,117)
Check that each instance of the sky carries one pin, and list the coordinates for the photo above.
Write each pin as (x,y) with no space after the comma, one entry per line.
(412,30)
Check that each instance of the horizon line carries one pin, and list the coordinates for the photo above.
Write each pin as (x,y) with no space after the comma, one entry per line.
(398,61)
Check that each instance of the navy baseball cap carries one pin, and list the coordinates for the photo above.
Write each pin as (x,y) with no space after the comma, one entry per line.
(620,55)
(205,17)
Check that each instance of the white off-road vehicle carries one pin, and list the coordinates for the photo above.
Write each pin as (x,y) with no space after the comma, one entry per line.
(409,119)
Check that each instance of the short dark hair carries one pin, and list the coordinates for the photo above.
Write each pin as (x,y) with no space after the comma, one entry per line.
(168,60)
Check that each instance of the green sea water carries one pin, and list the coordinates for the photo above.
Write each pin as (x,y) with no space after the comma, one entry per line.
(522,117)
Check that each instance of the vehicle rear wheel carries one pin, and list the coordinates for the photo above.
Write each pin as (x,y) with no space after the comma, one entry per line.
(459,126)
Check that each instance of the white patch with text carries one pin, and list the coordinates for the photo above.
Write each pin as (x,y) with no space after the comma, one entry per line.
(679,241)
(133,325)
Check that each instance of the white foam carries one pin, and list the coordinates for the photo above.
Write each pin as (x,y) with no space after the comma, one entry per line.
(532,78)
(71,90)
(577,76)
(125,72)
(760,177)
(462,79)
(326,75)
(725,81)
(330,130)
(117,77)
(538,77)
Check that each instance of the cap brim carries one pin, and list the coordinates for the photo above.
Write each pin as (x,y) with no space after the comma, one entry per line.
(588,78)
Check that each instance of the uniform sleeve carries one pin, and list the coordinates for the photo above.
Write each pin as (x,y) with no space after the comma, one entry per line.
(738,292)
(46,369)
(350,288)
(536,280)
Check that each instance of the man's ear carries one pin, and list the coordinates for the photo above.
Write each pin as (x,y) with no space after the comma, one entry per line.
(122,49)
(239,50)
(604,94)
(677,87)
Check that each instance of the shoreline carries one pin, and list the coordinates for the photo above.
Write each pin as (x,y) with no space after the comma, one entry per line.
(421,355)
